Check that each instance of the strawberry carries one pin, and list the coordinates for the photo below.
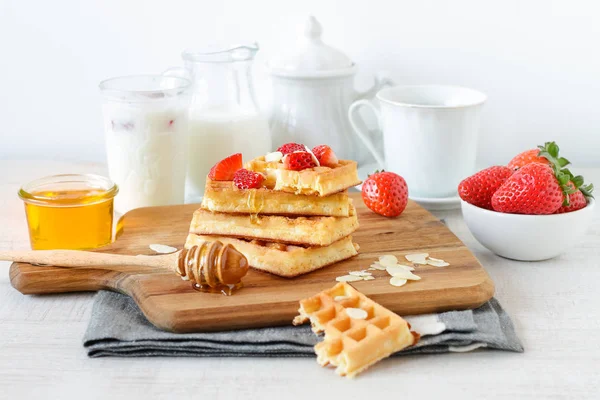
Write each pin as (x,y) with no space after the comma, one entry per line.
(527,157)
(533,189)
(577,201)
(385,193)
(478,189)
(226,168)
(291,147)
(325,155)
(577,198)
(546,154)
(298,160)
(244,179)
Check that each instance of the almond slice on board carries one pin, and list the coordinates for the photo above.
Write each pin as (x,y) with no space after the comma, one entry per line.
(397,281)
(378,266)
(388,260)
(417,258)
(348,278)
(162,248)
(402,273)
(360,273)
(368,278)
(435,263)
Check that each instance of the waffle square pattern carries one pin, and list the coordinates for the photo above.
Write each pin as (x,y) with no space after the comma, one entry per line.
(358,331)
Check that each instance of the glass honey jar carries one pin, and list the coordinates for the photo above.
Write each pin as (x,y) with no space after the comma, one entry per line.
(69,211)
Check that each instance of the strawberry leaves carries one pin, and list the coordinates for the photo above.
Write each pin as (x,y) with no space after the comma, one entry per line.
(567,181)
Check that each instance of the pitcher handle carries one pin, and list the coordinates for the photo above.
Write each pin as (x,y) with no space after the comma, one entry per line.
(364,136)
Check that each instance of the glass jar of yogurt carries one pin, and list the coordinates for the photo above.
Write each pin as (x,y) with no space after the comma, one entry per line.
(146,124)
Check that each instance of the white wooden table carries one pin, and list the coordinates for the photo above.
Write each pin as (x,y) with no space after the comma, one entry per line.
(555,306)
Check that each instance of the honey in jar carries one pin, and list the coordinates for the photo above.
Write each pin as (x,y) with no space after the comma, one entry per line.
(69,211)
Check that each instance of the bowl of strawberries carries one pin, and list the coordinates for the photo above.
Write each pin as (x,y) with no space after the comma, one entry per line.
(532,209)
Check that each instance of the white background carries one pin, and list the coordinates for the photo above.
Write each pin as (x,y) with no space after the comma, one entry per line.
(539,61)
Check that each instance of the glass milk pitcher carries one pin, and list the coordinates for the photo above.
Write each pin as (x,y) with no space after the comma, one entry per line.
(223,117)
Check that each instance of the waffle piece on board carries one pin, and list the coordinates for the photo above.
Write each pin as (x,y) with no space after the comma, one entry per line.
(223,196)
(358,331)
(284,260)
(309,231)
(320,181)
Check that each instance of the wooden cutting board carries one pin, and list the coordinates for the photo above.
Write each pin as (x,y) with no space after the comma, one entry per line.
(266,300)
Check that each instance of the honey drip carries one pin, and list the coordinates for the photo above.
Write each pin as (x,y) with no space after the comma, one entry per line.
(213,267)
(255,206)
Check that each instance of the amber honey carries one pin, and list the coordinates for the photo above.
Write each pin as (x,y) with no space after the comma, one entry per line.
(69,211)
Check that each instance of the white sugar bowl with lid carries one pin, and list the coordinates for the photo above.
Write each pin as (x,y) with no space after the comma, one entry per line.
(313,88)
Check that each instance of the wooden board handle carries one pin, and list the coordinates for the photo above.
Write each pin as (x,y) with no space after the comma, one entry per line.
(76,258)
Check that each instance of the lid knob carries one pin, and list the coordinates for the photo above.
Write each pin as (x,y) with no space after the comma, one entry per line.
(311,56)
(313,29)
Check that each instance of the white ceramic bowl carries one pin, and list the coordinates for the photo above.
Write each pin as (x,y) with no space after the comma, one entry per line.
(527,237)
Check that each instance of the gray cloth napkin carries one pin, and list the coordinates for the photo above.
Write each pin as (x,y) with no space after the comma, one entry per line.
(118,328)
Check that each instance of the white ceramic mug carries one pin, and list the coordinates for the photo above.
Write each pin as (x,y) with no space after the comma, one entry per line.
(429,135)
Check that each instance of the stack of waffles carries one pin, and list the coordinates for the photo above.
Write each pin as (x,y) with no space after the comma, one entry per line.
(295,219)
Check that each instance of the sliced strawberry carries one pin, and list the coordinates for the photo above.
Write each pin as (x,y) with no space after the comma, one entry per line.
(225,169)
(298,161)
(244,179)
(291,147)
(325,155)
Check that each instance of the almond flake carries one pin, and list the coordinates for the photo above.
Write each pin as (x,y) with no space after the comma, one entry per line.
(368,278)
(378,266)
(440,263)
(397,281)
(315,159)
(436,259)
(275,156)
(418,258)
(340,298)
(356,313)
(388,260)
(360,273)
(162,248)
(405,267)
(419,262)
(402,273)
(348,278)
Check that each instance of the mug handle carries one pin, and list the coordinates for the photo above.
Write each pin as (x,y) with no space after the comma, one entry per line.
(363,136)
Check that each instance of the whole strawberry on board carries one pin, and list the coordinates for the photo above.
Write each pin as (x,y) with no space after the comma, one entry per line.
(478,189)
(385,193)
(540,187)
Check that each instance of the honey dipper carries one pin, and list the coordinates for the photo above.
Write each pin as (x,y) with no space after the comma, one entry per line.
(210,265)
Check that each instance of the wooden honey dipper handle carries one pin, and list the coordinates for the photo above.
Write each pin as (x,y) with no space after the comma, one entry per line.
(207,263)
(77,258)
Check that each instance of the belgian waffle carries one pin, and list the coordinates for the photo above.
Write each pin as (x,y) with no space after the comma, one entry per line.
(284,260)
(310,231)
(321,181)
(352,344)
(223,196)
